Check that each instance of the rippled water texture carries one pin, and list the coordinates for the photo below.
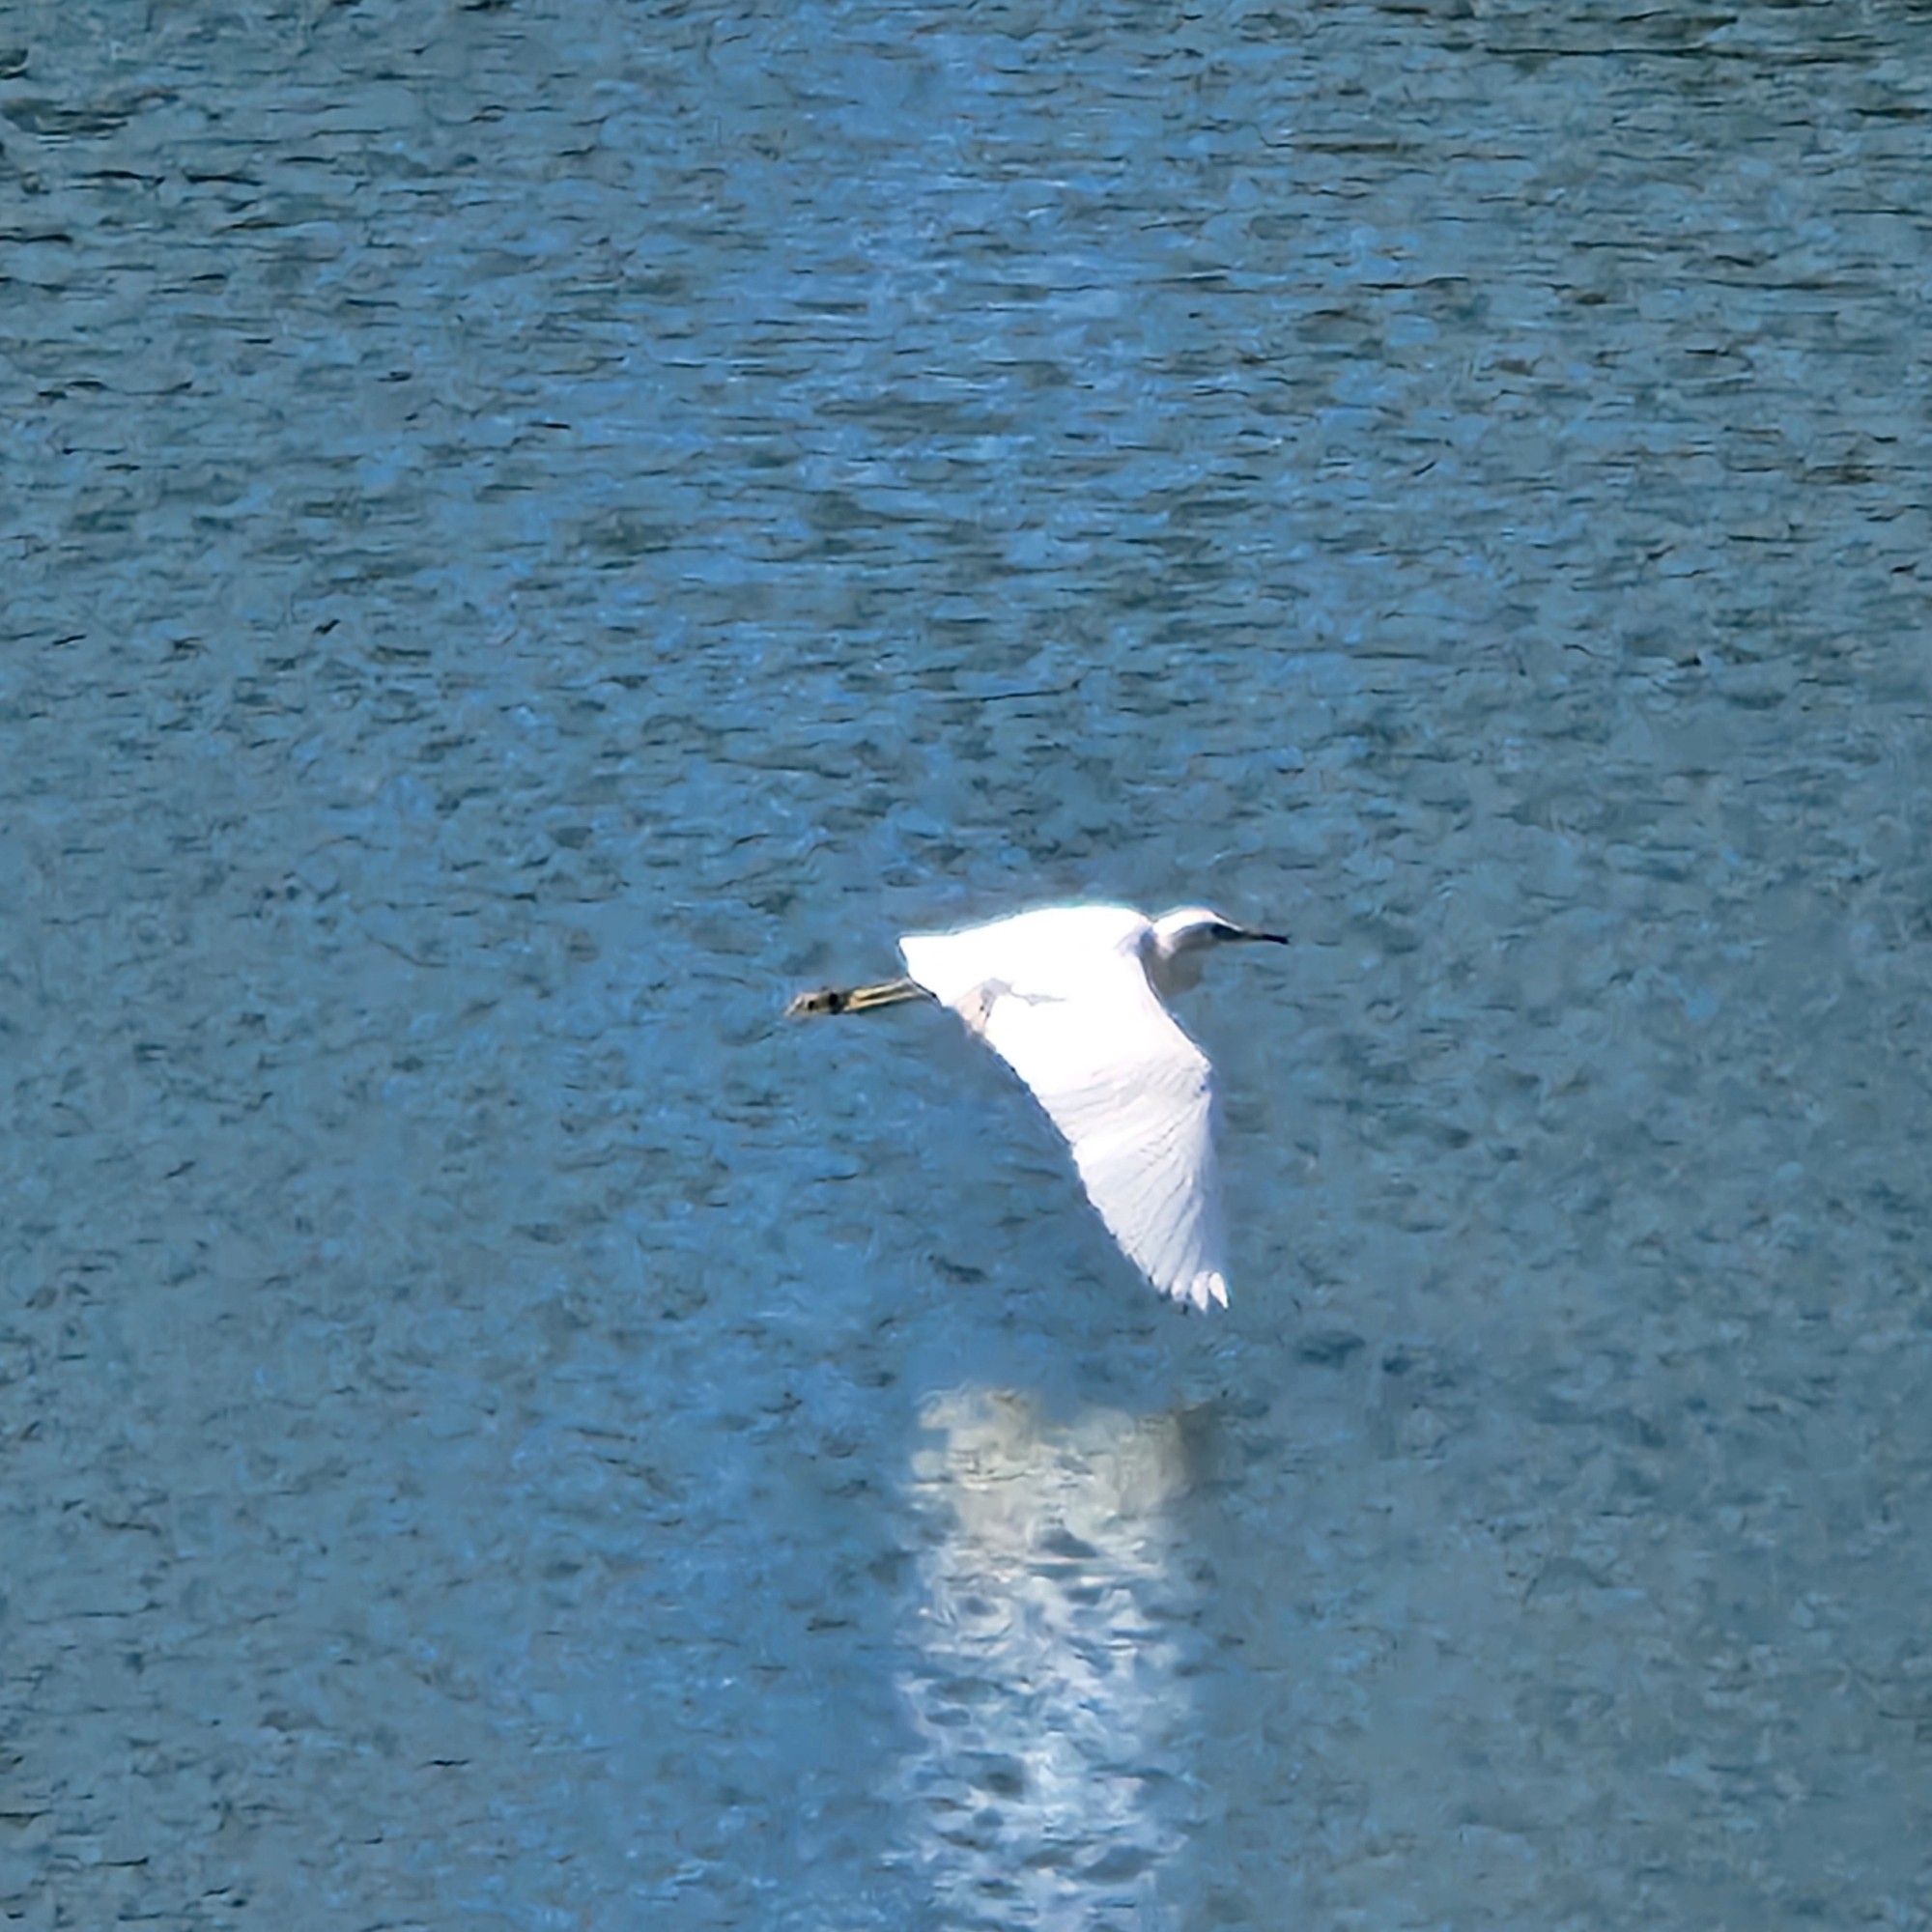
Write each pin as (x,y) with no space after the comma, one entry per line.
(533,531)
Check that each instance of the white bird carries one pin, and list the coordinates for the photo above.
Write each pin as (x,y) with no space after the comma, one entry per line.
(1069,997)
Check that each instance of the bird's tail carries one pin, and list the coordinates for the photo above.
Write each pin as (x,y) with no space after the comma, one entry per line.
(854,999)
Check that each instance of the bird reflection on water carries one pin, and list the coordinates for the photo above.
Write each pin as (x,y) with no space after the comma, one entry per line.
(1048,1625)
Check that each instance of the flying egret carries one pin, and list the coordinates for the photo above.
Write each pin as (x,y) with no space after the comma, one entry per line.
(1069,997)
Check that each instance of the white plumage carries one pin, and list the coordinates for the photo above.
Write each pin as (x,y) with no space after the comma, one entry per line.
(1070,998)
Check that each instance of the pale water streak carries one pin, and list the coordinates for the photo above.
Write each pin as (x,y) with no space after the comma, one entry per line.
(1048,1628)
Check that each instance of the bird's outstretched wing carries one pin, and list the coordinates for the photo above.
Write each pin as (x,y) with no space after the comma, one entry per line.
(1133,1096)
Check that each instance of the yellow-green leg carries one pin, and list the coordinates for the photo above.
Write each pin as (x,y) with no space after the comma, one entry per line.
(854,999)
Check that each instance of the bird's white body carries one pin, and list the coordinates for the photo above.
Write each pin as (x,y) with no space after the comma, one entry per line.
(1070,998)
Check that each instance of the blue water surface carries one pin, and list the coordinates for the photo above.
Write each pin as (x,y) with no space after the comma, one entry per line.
(532,530)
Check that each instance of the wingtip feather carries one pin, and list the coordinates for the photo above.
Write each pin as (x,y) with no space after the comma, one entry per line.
(1207,1290)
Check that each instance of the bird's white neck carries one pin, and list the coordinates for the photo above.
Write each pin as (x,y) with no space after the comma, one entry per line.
(1173,959)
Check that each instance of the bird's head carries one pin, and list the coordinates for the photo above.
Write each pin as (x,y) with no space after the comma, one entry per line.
(1182,936)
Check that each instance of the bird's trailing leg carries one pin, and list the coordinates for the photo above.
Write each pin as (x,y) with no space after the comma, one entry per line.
(854,999)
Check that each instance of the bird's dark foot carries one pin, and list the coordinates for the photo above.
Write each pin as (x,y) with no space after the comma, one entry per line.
(824,1000)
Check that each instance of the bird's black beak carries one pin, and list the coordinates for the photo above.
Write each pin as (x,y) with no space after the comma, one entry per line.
(1244,933)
